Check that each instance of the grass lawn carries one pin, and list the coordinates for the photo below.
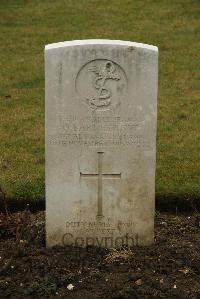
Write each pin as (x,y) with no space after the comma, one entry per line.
(26,26)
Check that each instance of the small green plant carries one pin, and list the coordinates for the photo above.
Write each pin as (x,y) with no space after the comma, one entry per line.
(45,286)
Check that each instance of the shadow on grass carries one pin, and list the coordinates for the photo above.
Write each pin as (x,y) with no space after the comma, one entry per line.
(168,203)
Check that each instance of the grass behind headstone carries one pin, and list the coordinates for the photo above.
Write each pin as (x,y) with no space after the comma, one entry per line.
(26,26)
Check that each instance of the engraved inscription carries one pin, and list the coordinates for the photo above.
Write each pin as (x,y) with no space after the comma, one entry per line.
(112,131)
(101,84)
(101,232)
(100,175)
(91,139)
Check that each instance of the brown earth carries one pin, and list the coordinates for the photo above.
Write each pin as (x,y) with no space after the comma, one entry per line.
(168,269)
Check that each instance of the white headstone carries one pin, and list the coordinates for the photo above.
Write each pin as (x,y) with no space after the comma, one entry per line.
(100,142)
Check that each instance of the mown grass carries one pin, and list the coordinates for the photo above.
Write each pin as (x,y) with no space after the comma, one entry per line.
(26,26)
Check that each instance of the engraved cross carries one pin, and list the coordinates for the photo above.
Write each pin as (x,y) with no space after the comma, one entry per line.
(100,175)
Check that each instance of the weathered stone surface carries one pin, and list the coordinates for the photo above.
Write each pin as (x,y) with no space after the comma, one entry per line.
(100,142)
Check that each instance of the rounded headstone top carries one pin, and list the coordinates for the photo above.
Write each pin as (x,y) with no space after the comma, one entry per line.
(100,42)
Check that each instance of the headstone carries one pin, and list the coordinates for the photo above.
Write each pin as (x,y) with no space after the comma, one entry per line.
(100,142)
